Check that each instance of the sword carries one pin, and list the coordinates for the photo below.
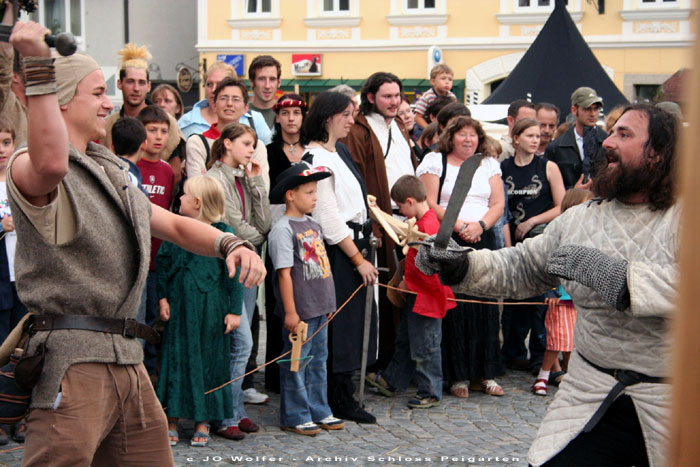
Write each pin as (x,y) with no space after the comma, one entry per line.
(369,298)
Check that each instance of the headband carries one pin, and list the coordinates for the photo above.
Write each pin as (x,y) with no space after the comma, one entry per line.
(289,103)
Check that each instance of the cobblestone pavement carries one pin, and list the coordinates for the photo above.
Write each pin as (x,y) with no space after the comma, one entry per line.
(458,432)
(480,430)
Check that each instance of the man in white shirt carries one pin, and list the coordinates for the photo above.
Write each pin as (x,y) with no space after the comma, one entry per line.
(378,142)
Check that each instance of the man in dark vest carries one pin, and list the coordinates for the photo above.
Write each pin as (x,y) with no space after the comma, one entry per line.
(579,150)
(82,259)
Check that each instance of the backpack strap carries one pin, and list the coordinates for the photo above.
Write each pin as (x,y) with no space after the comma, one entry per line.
(442,176)
(205,142)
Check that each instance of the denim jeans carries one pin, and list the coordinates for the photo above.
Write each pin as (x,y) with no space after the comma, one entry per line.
(241,345)
(417,350)
(303,394)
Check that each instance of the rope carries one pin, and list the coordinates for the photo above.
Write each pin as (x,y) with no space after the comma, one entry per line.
(464,300)
(330,318)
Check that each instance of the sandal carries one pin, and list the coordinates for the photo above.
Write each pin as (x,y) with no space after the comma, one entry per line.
(202,435)
(460,389)
(376,380)
(488,386)
(173,436)
(540,387)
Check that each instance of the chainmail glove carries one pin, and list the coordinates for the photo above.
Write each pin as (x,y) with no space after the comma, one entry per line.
(594,269)
(450,265)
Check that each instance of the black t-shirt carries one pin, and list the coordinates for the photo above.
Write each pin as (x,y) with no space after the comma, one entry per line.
(529,193)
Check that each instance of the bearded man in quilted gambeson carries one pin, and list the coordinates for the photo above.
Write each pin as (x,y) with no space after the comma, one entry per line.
(617,257)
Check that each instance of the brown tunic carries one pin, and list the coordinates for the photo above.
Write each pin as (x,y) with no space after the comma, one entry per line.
(101,271)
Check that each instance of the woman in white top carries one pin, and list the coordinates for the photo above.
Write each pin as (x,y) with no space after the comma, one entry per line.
(471,350)
(342,212)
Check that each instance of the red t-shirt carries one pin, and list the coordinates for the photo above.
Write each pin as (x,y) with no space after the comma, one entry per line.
(431,295)
(158,181)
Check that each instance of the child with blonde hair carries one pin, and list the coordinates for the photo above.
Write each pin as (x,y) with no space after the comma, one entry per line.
(201,305)
(560,318)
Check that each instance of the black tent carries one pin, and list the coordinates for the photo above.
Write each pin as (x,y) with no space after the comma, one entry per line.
(557,62)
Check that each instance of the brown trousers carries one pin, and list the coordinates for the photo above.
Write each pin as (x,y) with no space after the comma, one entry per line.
(108,415)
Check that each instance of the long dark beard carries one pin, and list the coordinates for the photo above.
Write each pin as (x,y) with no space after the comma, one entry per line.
(622,181)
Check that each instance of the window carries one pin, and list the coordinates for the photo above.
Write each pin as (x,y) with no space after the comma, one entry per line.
(544,4)
(259,7)
(646,93)
(420,4)
(60,16)
(341,6)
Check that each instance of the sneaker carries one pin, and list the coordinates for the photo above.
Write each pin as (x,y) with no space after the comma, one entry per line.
(307,429)
(248,426)
(251,396)
(376,380)
(419,402)
(540,387)
(331,423)
(231,432)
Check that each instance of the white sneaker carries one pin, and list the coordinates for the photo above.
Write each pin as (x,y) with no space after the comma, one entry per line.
(251,396)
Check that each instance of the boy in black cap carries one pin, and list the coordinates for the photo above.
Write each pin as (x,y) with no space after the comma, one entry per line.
(304,289)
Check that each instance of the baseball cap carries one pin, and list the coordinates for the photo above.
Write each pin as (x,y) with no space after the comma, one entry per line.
(585,97)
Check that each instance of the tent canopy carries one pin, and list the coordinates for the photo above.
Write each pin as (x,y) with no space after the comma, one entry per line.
(557,62)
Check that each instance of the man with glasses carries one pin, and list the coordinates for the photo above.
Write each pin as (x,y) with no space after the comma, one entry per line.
(231,104)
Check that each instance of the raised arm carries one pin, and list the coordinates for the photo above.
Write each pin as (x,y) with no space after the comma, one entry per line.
(38,172)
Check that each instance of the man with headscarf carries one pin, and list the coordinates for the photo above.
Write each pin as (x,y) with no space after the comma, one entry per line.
(83,252)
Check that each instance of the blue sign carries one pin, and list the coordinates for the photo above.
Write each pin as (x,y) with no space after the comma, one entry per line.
(236,61)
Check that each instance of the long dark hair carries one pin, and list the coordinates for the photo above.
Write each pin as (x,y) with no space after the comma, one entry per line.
(659,154)
(277,137)
(372,85)
(326,105)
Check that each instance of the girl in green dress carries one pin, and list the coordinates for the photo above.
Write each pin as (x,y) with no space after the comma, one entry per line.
(201,305)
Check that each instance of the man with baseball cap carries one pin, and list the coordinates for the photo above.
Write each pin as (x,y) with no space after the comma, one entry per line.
(578,150)
(83,242)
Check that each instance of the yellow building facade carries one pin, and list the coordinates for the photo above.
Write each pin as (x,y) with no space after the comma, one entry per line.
(639,43)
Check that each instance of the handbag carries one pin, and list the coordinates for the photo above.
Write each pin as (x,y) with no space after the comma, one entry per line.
(14,401)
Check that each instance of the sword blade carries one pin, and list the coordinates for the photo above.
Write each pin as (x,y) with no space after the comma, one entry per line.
(459,194)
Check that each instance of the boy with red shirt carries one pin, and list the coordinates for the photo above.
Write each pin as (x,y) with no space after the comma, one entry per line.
(417,348)
(158,180)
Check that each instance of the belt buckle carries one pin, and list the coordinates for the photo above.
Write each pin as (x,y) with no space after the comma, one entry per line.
(130,328)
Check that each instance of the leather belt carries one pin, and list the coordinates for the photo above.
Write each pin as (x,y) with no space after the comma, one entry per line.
(126,327)
(358,229)
(624,378)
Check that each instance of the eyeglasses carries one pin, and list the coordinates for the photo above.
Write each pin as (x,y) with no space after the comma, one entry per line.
(234,99)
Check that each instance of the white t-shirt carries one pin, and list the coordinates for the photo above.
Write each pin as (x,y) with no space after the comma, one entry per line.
(398,161)
(10,237)
(339,196)
(476,205)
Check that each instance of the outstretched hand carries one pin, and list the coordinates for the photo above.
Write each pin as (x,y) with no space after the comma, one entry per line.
(252,267)
(451,264)
(592,268)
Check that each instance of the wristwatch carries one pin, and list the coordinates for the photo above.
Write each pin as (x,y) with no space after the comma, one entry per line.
(483,225)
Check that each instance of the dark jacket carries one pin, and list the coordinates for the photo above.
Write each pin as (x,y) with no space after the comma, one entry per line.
(565,153)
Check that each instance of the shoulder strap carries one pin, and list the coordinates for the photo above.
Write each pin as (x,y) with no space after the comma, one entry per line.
(205,142)
(442,176)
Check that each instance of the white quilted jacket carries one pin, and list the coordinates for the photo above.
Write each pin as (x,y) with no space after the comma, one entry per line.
(635,339)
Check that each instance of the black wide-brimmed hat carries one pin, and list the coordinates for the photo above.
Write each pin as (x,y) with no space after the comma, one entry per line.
(296,175)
